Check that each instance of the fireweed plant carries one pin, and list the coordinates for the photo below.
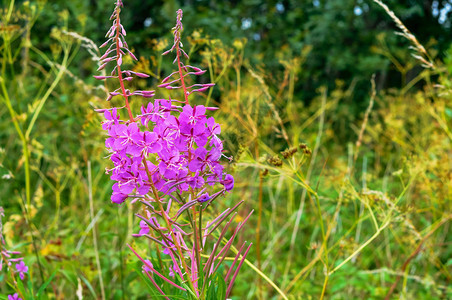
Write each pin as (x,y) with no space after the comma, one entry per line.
(168,159)
(14,264)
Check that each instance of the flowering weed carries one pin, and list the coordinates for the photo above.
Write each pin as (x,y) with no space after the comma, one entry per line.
(168,159)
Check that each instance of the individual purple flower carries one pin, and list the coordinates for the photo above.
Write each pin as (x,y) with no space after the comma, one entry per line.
(204,198)
(193,115)
(194,133)
(214,129)
(228,182)
(180,178)
(145,266)
(196,181)
(121,162)
(173,270)
(143,189)
(147,113)
(118,198)
(144,227)
(167,132)
(171,164)
(14,297)
(145,143)
(124,137)
(126,185)
(203,158)
(22,269)
(111,118)
(155,112)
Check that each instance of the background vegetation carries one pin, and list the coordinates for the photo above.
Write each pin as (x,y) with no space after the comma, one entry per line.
(361,210)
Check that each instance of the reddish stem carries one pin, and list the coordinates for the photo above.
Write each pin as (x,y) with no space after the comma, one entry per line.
(231,284)
(153,270)
(11,272)
(118,55)
(180,73)
(175,241)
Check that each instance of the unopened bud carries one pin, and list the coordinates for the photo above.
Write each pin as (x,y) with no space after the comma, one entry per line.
(102,67)
(141,75)
(164,85)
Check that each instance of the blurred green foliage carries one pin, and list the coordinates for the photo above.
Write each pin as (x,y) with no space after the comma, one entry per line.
(340,219)
(347,37)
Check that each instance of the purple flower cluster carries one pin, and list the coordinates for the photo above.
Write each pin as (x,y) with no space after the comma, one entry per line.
(167,147)
(175,148)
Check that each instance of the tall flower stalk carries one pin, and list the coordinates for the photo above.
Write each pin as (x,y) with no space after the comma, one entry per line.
(167,158)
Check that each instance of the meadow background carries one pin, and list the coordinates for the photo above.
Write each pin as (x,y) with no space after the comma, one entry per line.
(362,210)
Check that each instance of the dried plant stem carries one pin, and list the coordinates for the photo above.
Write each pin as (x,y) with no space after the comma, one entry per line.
(415,253)
(325,282)
(258,231)
(423,56)
(323,250)
(121,258)
(304,193)
(270,104)
(366,119)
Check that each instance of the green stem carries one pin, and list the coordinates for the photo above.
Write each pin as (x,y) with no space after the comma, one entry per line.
(96,247)
(26,153)
(260,273)
(324,287)
(48,92)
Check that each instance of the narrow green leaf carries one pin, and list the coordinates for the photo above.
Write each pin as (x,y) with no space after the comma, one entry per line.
(90,287)
(221,292)
(189,291)
(45,284)
(211,292)
(150,287)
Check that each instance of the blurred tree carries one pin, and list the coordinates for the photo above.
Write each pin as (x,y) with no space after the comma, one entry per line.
(347,36)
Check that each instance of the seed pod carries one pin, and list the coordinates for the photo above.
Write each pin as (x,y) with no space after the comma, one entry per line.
(275,161)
